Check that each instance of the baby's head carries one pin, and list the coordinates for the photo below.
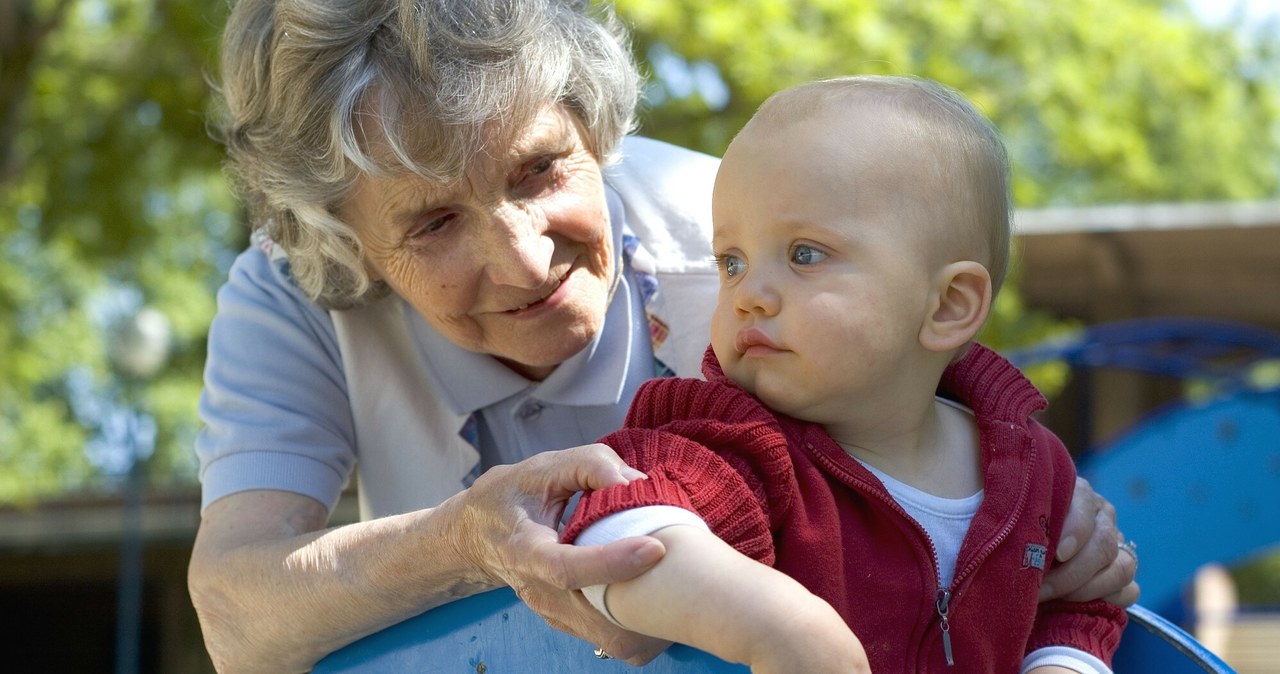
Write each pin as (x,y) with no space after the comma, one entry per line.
(918,142)
(862,228)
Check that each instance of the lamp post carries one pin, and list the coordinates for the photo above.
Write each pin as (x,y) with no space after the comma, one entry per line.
(139,347)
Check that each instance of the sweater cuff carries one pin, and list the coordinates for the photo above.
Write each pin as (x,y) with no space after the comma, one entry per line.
(596,505)
(1094,627)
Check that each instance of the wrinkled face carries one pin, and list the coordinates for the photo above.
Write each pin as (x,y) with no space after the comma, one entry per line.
(515,261)
(824,277)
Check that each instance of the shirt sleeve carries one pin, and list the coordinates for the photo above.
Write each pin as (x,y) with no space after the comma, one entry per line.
(274,405)
(1061,656)
(707,448)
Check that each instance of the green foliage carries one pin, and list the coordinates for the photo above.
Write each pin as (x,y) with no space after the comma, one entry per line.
(111,195)
(1258,579)
(110,188)
(1098,101)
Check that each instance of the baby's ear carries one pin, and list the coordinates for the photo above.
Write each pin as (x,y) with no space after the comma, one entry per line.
(959,303)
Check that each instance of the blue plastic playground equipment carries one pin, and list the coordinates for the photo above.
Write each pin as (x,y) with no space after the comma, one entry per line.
(1194,483)
(495,633)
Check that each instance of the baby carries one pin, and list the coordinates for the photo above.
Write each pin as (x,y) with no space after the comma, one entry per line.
(857,485)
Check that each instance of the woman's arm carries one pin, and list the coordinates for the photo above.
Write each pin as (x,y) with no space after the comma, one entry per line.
(275,593)
(708,595)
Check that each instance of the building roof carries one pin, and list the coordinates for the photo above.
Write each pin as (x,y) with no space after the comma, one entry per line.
(1104,263)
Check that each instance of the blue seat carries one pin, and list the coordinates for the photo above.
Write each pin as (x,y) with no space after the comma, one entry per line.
(494,633)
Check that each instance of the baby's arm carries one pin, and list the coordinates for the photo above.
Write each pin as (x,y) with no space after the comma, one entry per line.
(707,595)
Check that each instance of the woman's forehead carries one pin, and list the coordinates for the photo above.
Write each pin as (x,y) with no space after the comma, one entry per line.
(402,192)
(397,143)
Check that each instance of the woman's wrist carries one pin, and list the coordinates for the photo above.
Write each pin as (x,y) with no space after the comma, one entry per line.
(448,563)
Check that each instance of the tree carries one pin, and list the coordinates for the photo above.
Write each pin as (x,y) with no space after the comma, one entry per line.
(111,195)
(1098,101)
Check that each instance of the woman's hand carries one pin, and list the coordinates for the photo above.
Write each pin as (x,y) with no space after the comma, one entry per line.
(506,525)
(1091,566)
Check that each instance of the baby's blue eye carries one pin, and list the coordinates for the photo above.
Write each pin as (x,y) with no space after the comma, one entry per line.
(732,265)
(803,255)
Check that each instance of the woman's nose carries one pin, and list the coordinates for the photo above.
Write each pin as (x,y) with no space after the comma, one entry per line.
(519,251)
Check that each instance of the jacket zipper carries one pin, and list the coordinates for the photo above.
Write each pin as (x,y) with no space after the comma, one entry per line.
(942,601)
(944,610)
(942,604)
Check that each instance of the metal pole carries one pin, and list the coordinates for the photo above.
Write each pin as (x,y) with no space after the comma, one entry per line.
(129,599)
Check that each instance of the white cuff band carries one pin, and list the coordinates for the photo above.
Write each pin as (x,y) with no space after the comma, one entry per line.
(635,522)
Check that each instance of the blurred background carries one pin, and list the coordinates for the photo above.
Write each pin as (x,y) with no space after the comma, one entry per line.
(1145,139)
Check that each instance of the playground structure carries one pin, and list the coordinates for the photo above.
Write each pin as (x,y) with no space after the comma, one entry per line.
(495,633)
(1194,483)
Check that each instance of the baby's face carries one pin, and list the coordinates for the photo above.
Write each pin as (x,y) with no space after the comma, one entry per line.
(825,267)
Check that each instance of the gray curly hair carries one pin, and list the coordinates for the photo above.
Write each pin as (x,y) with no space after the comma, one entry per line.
(311,87)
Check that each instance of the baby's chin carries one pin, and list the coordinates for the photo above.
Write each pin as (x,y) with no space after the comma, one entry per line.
(777,396)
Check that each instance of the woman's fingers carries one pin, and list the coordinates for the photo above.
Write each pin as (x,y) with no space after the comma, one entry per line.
(507,524)
(569,612)
(1091,566)
(593,466)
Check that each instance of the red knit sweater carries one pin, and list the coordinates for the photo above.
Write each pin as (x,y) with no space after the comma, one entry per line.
(783,492)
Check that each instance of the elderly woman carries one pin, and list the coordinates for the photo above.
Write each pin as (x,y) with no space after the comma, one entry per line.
(461,264)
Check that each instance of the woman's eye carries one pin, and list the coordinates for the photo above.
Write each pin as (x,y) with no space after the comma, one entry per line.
(805,255)
(433,224)
(536,176)
(731,265)
(540,166)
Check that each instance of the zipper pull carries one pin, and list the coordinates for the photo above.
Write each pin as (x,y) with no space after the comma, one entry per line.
(943,608)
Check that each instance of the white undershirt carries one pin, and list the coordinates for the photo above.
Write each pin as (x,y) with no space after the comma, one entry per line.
(944,520)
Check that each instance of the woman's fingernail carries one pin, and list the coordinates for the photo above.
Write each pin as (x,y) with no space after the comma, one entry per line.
(648,554)
(1066,548)
(633,474)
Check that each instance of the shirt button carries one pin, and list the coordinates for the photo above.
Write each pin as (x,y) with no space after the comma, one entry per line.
(530,410)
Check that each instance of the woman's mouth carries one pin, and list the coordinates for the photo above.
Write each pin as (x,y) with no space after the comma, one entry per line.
(549,292)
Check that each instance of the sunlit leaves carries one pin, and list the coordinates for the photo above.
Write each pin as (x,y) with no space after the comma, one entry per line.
(116,189)
(1099,101)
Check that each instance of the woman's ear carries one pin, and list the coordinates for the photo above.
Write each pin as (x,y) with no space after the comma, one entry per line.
(959,304)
